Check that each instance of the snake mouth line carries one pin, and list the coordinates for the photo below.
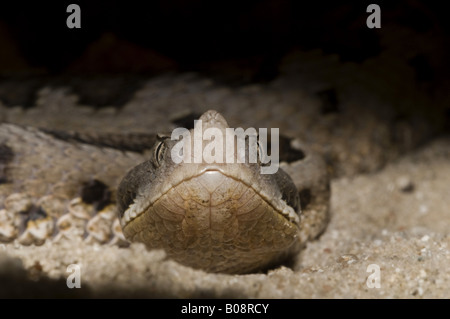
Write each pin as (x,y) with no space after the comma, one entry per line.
(292,217)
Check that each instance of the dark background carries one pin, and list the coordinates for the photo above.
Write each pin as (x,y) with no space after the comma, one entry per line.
(193,32)
(235,41)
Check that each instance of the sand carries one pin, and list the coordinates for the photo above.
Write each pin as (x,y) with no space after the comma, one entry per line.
(396,220)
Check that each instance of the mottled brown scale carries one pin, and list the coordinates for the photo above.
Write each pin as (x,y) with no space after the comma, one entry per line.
(47,174)
(217,217)
(223,218)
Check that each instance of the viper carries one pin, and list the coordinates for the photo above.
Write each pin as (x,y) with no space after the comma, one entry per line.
(219,217)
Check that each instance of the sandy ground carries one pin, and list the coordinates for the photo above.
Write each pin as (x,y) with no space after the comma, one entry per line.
(396,220)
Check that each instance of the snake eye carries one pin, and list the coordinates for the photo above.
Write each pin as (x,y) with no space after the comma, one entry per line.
(159,153)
